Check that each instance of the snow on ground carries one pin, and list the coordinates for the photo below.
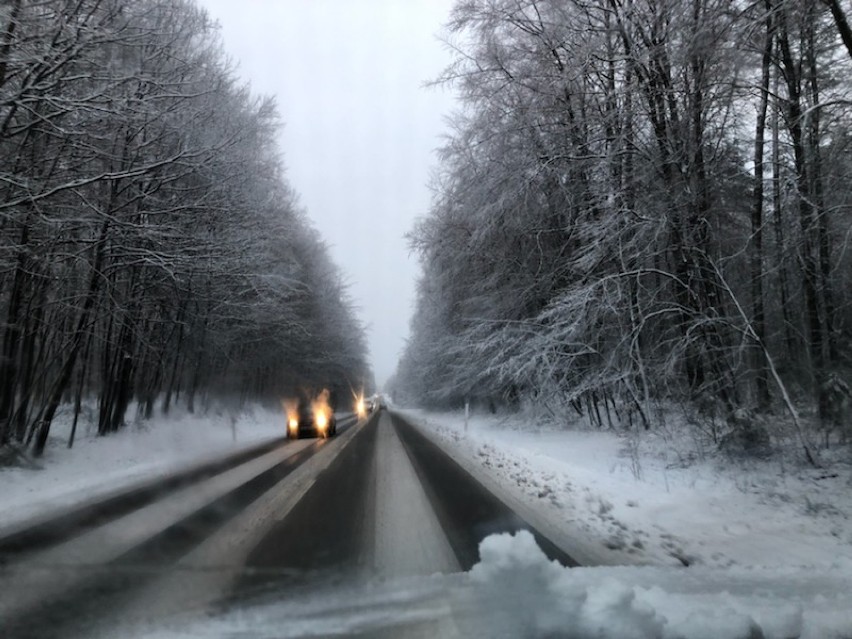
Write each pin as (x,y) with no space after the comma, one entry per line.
(530,596)
(515,591)
(142,450)
(657,499)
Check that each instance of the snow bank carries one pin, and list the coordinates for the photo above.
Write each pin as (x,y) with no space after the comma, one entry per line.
(99,465)
(525,594)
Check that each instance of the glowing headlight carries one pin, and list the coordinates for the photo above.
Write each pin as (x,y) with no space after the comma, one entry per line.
(293,423)
(322,420)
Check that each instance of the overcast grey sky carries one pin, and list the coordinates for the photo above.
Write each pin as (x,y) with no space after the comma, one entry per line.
(360,131)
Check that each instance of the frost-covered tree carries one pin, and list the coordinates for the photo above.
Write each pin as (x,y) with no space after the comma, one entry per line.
(612,224)
(149,244)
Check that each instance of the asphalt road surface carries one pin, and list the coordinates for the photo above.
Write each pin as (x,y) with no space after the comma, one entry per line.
(309,522)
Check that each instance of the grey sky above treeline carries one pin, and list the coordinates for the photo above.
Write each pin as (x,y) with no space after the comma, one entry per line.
(360,128)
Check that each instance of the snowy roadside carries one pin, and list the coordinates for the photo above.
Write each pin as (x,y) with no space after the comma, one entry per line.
(769,549)
(650,501)
(96,466)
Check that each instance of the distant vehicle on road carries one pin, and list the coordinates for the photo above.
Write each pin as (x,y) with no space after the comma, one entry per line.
(372,403)
(311,419)
(364,406)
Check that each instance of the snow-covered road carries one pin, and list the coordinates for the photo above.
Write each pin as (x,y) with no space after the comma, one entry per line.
(354,510)
(378,532)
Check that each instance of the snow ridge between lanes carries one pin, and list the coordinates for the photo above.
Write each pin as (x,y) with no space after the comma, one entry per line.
(409,539)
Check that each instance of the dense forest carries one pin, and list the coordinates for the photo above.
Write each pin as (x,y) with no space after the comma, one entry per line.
(642,203)
(151,250)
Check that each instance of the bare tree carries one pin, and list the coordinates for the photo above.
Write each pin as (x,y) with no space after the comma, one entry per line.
(149,244)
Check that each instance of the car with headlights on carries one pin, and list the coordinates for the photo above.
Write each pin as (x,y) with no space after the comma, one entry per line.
(311,419)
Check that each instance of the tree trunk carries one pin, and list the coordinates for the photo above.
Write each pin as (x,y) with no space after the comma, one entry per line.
(8,37)
(842,23)
(756,257)
(12,336)
(815,172)
(807,213)
(81,386)
(778,222)
(46,415)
